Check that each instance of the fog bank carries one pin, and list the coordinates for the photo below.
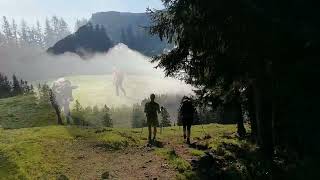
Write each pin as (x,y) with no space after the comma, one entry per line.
(93,76)
(34,64)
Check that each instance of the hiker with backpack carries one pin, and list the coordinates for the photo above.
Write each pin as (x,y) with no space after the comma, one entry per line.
(186,115)
(62,90)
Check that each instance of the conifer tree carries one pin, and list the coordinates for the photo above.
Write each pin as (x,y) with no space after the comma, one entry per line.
(24,29)
(39,37)
(14,29)
(5,86)
(6,29)
(165,118)
(78,114)
(48,34)
(16,86)
(107,120)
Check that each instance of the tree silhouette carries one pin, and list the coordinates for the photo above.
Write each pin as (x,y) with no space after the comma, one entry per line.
(219,43)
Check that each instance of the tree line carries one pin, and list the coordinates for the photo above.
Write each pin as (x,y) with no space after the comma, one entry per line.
(13,87)
(39,35)
(105,116)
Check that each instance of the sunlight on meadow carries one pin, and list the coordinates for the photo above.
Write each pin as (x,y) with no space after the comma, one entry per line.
(99,89)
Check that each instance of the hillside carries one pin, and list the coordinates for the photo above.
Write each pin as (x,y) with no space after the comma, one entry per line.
(56,151)
(23,111)
(72,152)
(66,152)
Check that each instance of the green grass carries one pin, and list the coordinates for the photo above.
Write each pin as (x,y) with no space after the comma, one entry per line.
(196,152)
(175,161)
(43,152)
(31,147)
(23,111)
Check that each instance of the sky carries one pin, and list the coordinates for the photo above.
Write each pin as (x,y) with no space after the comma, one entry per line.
(70,10)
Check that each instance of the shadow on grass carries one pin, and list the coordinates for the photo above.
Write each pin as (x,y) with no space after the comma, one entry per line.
(156,143)
(229,162)
(232,162)
(199,146)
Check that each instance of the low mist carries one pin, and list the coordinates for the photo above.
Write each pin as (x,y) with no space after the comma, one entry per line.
(93,76)
(34,64)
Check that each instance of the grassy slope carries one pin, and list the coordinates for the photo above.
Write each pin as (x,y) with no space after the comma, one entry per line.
(23,111)
(44,152)
(47,151)
(39,150)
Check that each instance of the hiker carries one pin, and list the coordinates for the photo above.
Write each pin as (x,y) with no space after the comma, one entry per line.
(118,78)
(152,109)
(62,90)
(186,116)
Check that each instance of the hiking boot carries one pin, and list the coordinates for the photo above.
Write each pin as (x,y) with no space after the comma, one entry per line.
(188,140)
(184,137)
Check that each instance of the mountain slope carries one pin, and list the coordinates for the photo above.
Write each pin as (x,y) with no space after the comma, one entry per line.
(114,22)
(130,29)
(108,28)
(87,40)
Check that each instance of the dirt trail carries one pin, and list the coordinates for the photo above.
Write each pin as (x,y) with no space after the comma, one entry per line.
(91,161)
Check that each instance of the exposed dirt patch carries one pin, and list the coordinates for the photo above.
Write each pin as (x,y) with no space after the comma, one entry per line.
(90,162)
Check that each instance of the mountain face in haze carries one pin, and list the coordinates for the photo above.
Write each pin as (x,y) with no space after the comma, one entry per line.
(87,40)
(130,29)
(126,28)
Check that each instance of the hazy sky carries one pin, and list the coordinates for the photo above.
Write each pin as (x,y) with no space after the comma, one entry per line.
(31,10)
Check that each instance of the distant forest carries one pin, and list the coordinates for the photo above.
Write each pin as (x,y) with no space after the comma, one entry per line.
(39,35)
(14,87)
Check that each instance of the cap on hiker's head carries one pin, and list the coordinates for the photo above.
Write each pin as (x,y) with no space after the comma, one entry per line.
(152,96)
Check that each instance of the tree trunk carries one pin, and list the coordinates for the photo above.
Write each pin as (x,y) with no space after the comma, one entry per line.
(57,109)
(55,106)
(263,101)
(241,129)
(252,112)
